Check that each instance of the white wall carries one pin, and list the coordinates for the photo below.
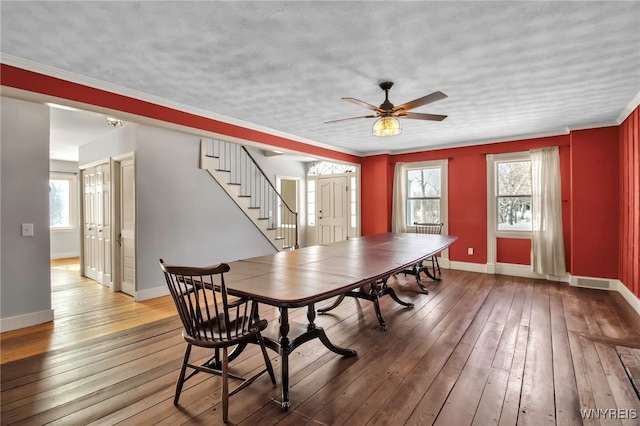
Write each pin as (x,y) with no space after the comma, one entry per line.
(25,275)
(66,243)
(122,141)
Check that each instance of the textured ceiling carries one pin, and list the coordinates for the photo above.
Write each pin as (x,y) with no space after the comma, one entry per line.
(509,68)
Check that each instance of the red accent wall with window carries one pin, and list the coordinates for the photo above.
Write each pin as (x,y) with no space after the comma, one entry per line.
(629,261)
(595,200)
(468,195)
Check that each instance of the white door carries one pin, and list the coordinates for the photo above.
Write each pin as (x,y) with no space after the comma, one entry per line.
(103,224)
(333,209)
(89,222)
(127,222)
(97,223)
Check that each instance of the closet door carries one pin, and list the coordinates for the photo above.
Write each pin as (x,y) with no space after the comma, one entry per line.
(90,223)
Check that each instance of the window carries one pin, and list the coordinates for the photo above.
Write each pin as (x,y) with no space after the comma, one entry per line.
(513,195)
(311,202)
(62,201)
(424,192)
(354,203)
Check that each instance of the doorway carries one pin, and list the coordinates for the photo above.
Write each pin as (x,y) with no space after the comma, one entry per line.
(108,223)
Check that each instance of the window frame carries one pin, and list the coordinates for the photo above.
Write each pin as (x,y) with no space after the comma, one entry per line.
(496,159)
(433,164)
(73,201)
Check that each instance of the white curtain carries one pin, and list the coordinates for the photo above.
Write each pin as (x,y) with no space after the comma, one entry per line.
(399,206)
(547,244)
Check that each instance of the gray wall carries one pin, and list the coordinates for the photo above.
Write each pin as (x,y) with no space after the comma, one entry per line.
(25,287)
(66,243)
(183,215)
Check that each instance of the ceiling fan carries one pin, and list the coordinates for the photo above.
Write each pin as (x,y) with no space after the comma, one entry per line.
(388,114)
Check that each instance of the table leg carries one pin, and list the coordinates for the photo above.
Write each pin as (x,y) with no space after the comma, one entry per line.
(333,305)
(319,331)
(285,348)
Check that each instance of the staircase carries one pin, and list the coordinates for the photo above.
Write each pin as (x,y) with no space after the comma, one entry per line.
(242,178)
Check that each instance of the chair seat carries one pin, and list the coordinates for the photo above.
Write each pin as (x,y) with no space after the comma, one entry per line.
(212,339)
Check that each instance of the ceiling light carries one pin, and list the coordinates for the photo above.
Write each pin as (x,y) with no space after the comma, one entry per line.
(387,125)
(114,122)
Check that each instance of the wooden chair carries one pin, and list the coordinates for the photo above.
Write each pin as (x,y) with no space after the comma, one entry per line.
(213,320)
(426,228)
(430,228)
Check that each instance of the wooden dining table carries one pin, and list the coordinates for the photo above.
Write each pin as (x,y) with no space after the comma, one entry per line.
(304,277)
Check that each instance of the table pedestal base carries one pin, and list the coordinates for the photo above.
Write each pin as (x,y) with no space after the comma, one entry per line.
(376,291)
(277,339)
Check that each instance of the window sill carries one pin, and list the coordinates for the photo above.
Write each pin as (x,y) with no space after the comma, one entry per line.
(521,235)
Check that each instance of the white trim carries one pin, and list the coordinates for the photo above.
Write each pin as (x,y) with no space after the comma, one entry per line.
(628,296)
(491,215)
(443,165)
(635,102)
(26,320)
(468,266)
(525,272)
(65,255)
(151,293)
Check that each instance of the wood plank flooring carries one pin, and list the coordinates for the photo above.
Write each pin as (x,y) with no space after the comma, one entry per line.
(478,350)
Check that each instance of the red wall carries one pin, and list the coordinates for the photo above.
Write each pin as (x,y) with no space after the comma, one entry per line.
(375,190)
(514,251)
(629,262)
(595,202)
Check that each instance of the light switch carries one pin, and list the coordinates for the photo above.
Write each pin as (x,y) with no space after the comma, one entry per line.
(27,229)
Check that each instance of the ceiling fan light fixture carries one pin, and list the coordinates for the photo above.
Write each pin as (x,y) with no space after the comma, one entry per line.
(387,125)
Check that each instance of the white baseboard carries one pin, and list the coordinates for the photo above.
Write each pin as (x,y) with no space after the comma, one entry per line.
(151,293)
(628,296)
(525,272)
(468,266)
(65,255)
(27,320)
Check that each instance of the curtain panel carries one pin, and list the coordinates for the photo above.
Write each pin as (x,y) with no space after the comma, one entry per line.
(399,206)
(547,243)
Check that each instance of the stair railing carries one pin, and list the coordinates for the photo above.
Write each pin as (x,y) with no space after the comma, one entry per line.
(254,183)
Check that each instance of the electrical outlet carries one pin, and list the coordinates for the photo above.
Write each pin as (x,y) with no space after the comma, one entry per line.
(27,229)
(470,251)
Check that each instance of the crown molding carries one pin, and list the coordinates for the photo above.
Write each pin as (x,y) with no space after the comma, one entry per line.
(635,102)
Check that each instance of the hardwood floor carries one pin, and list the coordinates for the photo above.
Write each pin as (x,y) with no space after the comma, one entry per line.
(478,350)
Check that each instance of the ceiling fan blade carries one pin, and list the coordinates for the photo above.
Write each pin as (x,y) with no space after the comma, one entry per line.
(421,116)
(433,97)
(351,118)
(364,104)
